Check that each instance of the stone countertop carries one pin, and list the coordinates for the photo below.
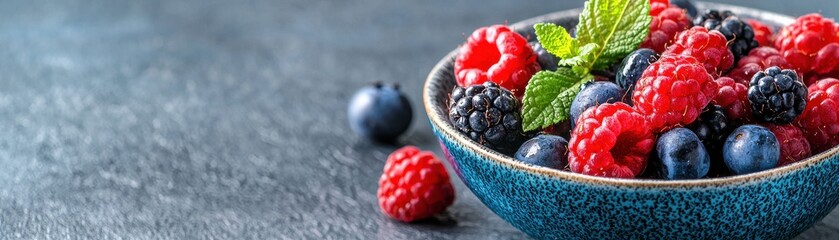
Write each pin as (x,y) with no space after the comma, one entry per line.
(226,119)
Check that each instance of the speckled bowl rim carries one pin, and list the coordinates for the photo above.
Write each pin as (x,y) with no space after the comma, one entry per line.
(446,128)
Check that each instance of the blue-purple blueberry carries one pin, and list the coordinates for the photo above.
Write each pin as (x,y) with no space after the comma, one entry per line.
(380,112)
(751,148)
(544,150)
(681,155)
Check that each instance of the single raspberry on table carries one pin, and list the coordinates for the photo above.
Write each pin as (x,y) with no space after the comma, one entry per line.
(499,54)
(740,35)
(414,185)
(673,91)
(763,34)
(610,140)
(733,97)
(820,120)
(666,22)
(708,47)
(794,146)
(810,44)
(758,60)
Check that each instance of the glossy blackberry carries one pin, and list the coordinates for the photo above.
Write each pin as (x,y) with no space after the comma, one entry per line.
(777,96)
(489,115)
(740,35)
(711,127)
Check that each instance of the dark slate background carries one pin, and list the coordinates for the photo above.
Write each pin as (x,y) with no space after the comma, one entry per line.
(226,119)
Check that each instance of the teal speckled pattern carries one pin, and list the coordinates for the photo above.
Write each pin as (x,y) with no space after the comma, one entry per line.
(546,207)
(549,204)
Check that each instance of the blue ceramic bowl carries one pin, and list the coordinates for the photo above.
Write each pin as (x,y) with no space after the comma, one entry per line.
(550,204)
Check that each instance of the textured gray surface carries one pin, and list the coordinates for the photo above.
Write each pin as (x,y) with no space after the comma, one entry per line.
(226,119)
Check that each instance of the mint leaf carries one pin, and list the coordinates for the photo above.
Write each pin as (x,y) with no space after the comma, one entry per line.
(556,40)
(584,56)
(617,26)
(548,96)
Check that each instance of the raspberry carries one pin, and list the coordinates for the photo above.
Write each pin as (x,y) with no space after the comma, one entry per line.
(610,140)
(758,60)
(489,115)
(740,34)
(707,47)
(673,91)
(777,96)
(794,146)
(414,185)
(763,34)
(498,54)
(813,77)
(656,6)
(666,23)
(733,98)
(810,44)
(820,121)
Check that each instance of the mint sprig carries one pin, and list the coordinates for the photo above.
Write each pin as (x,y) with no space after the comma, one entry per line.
(618,25)
(608,30)
(555,91)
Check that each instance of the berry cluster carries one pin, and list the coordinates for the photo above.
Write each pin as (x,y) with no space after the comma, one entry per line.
(690,102)
(719,95)
(711,97)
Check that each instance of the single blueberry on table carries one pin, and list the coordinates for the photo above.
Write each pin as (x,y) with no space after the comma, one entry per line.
(751,148)
(592,94)
(380,112)
(632,67)
(681,155)
(544,150)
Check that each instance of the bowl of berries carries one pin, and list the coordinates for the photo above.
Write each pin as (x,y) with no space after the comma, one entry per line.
(634,119)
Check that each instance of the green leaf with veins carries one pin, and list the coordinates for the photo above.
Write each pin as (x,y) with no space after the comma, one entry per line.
(548,97)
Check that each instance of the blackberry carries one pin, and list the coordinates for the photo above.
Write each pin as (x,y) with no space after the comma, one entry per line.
(711,127)
(777,96)
(740,35)
(546,60)
(489,115)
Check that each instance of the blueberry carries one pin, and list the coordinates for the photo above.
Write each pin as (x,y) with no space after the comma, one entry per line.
(592,94)
(381,113)
(632,67)
(751,148)
(544,150)
(681,155)
(687,5)
(546,60)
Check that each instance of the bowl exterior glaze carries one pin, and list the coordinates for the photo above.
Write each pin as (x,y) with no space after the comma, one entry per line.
(549,204)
